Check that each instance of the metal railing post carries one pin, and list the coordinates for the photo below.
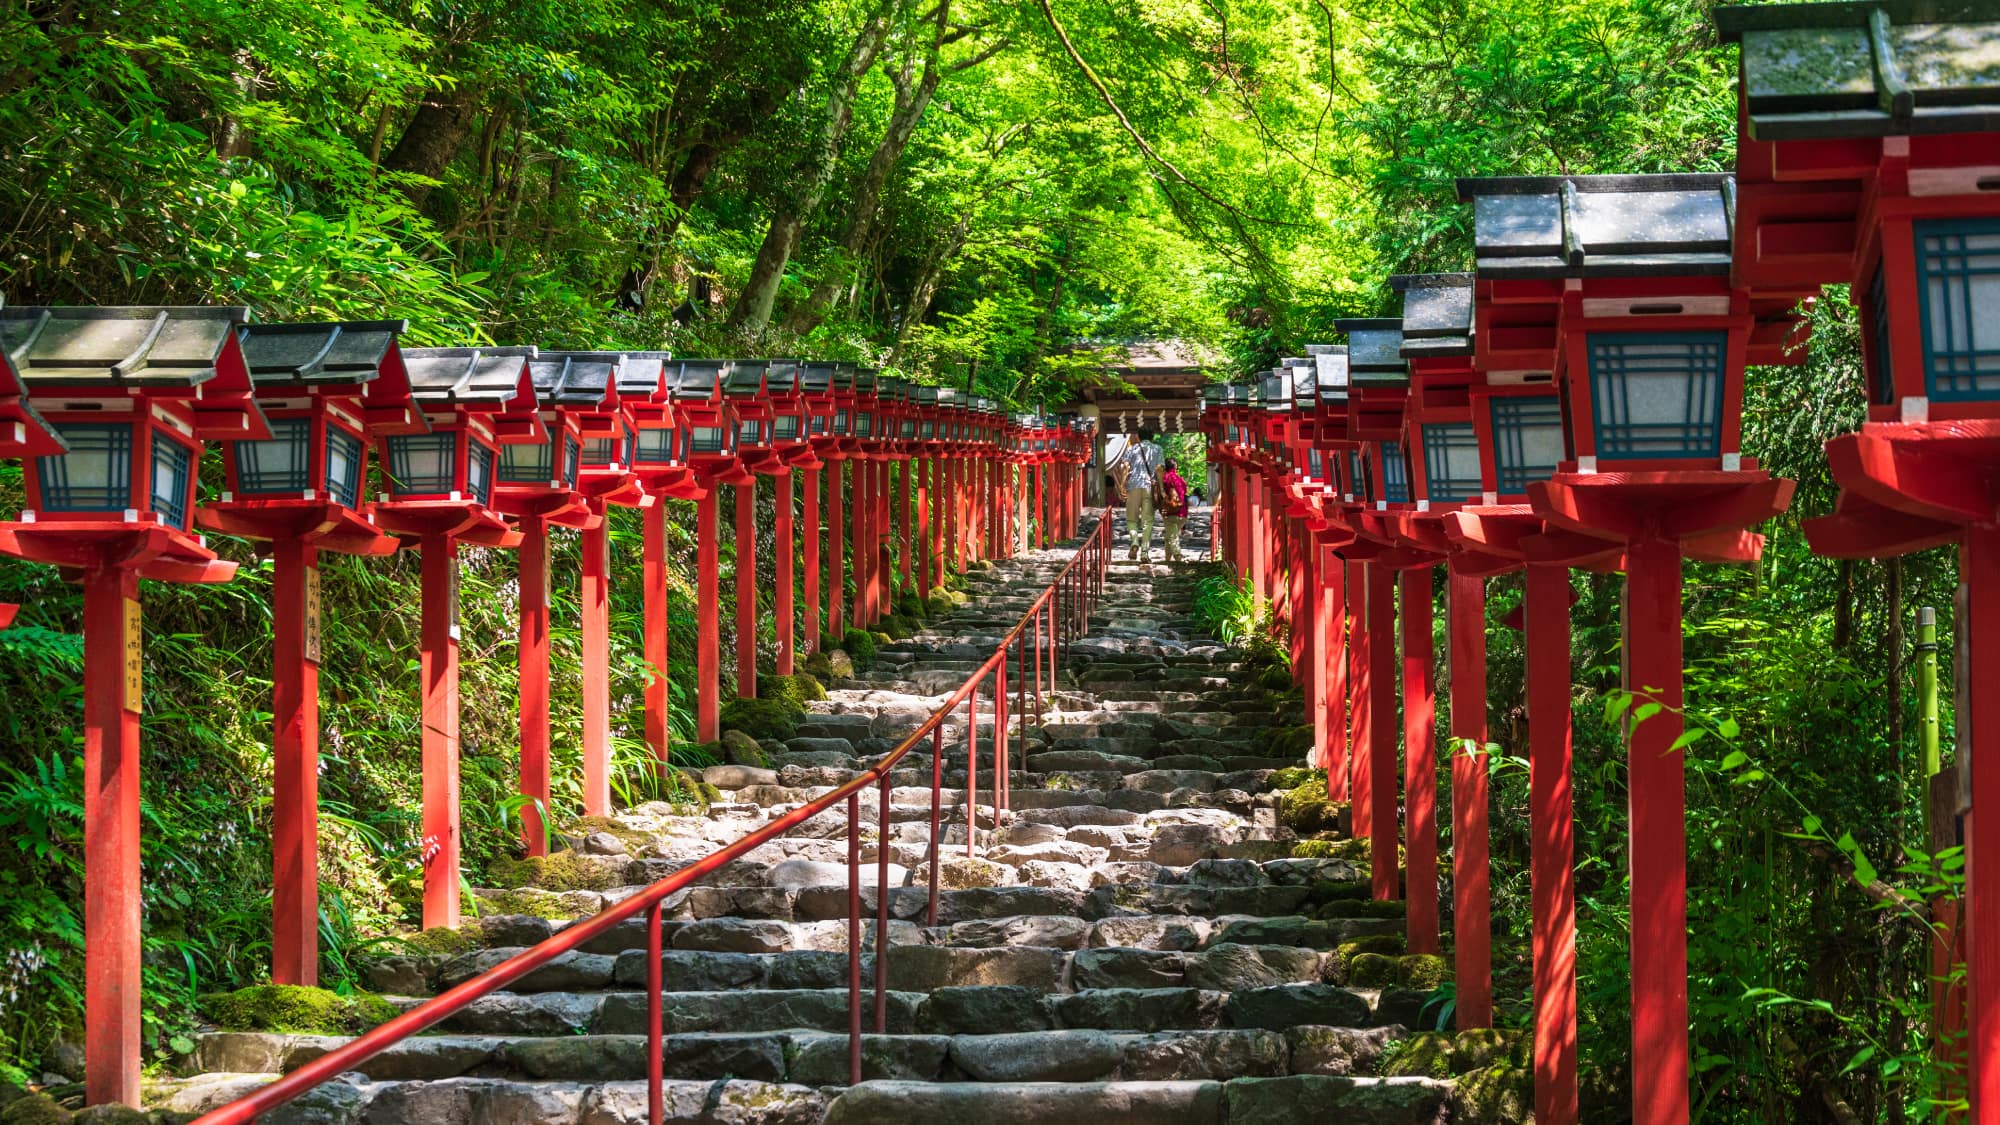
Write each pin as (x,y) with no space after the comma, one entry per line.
(854,937)
(882,912)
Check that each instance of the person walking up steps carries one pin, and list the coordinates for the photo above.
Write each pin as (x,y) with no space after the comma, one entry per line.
(1139,470)
(1173,509)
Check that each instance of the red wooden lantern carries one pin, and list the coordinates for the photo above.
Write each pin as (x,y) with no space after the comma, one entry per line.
(791,438)
(756,422)
(328,390)
(440,495)
(133,393)
(816,386)
(645,395)
(23,433)
(567,481)
(1868,154)
(707,439)
(1619,285)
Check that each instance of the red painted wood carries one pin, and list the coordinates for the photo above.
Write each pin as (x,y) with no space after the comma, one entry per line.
(922,544)
(1979,570)
(1260,538)
(438,672)
(860,544)
(1361,703)
(708,671)
(746,589)
(532,657)
(1420,756)
(1659,836)
(836,553)
(1334,581)
(595,546)
(1298,598)
(1552,831)
(1041,508)
(810,524)
(904,525)
(785,562)
(1381,789)
(294,770)
(113,949)
(1471,896)
(1315,666)
(654,610)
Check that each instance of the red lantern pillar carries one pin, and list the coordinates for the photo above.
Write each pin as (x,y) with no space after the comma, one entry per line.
(1361,697)
(922,545)
(904,547)
(1381,790)
(438,707)
(113,947)
(836,553)
(810,546)
(708,710)
(1332,664)
(860,546)
(784,559)
(1552,875)
(595,594)
(1659,832)
(1420,756)
(533,654)
(746,589)
(655,578)
(1471,902)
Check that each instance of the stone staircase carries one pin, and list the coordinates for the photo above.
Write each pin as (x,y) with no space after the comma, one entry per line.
(1134,943)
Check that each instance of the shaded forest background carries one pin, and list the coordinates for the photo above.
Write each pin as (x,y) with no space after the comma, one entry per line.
(968,191)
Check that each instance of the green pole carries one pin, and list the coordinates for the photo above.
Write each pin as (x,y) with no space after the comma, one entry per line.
(1927,698)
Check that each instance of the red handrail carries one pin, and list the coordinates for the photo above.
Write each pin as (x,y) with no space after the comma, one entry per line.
(1058,613)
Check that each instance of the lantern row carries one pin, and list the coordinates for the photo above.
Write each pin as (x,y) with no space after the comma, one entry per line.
(110,410)
(1576,401)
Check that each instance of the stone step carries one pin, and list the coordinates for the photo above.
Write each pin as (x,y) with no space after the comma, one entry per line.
(494,1101)
(1300,1099)
(812,1058)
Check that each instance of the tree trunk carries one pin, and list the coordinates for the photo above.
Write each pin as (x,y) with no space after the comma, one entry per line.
(909,112)
(432,140)
(926,288)
(752,313)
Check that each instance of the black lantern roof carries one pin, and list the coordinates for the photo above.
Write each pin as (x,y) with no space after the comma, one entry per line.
(864,381)
(465,375)
(744,378)
(1437,313)
(310,354)
(1329,372)
(924,395)
(1304,373)
(576,379)
(1875,69)
(137,346)
(699,380)
(641,375)
(782,377)
(1274,390)
(1375,352)
(1602,226)
(817,378)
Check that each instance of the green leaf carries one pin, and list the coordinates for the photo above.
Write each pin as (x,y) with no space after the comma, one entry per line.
(1727,728)
(1734,759)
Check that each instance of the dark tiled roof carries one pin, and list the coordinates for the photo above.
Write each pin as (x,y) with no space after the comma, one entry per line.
(745,377)
(138,346)
(574,378)
(1331,376)
(339,352)
(1605,226)
(640,373)
(1882,68)
(1437,313)
(465,374)
(698,379)
(1375,352)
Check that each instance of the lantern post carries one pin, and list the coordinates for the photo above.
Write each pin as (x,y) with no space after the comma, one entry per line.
(1651,340)
(816,381)
(659,465)
(924,412)
(707,438)
(327,390)
(133,393)
(440,495)
(24,434)
(756,419)
(1875,167)
(791,439)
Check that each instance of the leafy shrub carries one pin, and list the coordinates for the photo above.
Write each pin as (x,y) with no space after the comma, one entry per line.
(1224,607)
(800,688)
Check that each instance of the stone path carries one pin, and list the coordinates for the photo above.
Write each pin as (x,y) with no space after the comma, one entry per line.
(1135,943)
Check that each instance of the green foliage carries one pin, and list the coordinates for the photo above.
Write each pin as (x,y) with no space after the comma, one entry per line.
(800,688)
(295,1008)
(1224,607)
(1307,810)
(860,647)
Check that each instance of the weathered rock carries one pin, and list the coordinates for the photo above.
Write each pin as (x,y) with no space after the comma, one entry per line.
(1140,1009)
(730,1102)
(687,970)
(1152,931)
(821,1060)
(735,777)
(1227,967)
(921,968)
(1127,968)
(981,1103)
(1219,1055)
(568,972)
(984,1011)
(1039,1056)
(397,976)
(1047,930)
(1319,1049)
(734,935)
(1353,1101)
(1290,1005)
(962,872)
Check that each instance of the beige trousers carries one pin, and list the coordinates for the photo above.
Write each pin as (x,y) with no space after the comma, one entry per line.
(1170,530)
(1139,520)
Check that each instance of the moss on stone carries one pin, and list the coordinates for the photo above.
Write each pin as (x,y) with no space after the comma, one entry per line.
(295,1008)
(1274,679)
(35,1109)
(800,687)
(1366,908)
(525,900)
(1422,971)
(1479,1047)
(441,940)
(1387,945)
(1306,809)
(1426,1054)
(762,718)
(1500,1094)
(1291,777)
(910,604)
(558,871)
(1373,970)
(859,646)
(1329,848)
